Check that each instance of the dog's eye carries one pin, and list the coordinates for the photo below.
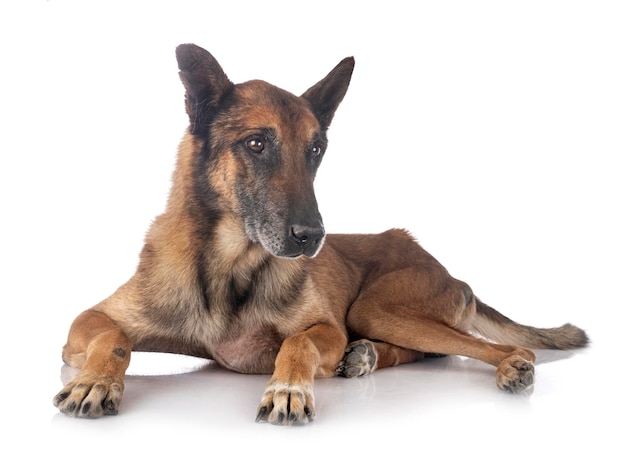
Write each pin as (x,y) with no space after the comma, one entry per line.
(316,151)
(255,145)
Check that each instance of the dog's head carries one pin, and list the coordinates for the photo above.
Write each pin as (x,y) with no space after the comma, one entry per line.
(262,148)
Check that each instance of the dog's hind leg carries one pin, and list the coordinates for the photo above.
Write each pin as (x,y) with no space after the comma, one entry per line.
(404,327)
(101,351)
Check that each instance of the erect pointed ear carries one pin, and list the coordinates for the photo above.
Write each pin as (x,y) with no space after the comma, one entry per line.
(205,83)
(326,95)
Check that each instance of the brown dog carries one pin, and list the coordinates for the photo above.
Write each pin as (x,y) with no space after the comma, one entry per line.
(235,269)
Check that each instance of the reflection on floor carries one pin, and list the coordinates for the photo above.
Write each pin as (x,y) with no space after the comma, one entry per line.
(175,404)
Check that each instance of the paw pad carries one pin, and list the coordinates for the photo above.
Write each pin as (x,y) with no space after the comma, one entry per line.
(359,359)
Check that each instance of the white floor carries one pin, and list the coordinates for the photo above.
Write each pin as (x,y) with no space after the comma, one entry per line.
(443,407)
(493,131)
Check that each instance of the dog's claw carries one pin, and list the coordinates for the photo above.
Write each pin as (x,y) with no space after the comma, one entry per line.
(261,414)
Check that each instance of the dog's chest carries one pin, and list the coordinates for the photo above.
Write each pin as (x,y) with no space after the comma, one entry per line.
(246,296)
(249,351)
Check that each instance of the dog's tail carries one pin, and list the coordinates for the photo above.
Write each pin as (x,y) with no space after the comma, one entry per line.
(495,326)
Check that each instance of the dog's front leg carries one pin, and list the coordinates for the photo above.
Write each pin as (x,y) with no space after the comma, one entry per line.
(102,352)
(288,397)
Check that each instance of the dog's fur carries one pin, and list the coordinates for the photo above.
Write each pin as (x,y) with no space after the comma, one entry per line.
(238,268)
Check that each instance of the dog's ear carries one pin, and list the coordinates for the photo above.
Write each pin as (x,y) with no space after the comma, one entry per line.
(326,95)
(205,84)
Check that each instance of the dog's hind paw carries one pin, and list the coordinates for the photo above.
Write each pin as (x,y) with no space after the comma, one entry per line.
(360,359)
(515,374)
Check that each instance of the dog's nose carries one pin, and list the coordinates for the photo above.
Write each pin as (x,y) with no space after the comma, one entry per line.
(307,236)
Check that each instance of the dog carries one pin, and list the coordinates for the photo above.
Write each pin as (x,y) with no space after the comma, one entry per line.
(239,269)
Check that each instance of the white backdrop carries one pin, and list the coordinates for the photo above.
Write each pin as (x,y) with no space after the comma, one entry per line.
(492,130)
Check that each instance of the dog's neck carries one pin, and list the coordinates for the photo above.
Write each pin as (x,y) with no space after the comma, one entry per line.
(239,275)
(231,245)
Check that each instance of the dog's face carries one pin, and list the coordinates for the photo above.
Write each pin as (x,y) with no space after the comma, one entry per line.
(273,144)
(263,148)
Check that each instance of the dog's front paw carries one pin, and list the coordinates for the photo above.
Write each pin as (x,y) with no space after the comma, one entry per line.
(360,359)
(515,374)
(286,404)
(90,397)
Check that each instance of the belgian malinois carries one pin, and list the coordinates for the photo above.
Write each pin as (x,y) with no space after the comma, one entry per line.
(239,269)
